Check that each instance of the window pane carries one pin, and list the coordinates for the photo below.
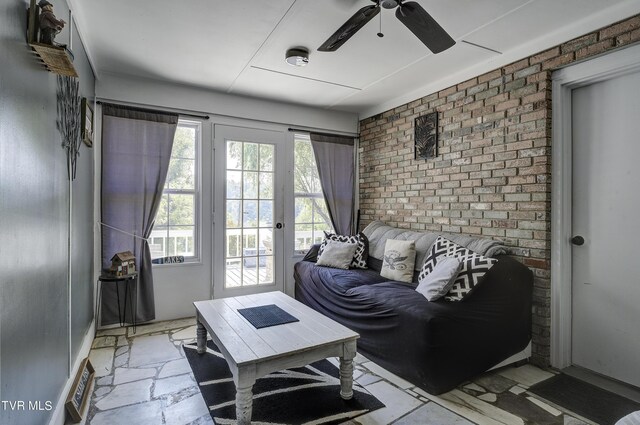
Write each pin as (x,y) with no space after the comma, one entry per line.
(266,185)
(320,212)
(162,215)
(250,214)
(266,213)
(250,185)
(250,156)
(233,214)
(183,240)
(181,174)
(234,155)
(181,209)
(266,157)
(184,143)
(234,184)
(303,210)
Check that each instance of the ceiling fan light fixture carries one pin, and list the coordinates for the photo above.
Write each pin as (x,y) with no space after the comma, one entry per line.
(298,56)
(389,4)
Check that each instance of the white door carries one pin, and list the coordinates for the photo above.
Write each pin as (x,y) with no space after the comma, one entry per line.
(606,212)
(248,211)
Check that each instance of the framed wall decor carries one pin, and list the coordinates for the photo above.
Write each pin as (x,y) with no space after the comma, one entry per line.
(87,122)
(80,391)
(426,136)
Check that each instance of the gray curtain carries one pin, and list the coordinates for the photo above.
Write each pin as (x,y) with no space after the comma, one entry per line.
(335,160)
(136,149)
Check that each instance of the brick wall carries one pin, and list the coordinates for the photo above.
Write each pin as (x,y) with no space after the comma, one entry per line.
(492,174)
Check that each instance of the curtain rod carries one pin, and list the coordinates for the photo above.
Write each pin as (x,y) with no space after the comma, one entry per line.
(323,133)
(204,117)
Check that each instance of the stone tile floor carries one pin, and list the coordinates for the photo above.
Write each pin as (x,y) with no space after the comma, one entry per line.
(144,378)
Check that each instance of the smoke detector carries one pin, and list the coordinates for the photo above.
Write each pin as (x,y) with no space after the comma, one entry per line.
(298,56)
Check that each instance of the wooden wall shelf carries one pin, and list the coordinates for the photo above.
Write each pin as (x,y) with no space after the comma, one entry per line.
(55,59)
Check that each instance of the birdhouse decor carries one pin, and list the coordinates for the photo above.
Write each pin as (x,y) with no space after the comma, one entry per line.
(123,263)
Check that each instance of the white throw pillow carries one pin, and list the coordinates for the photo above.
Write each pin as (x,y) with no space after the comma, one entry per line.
(437,283)
(337,254)
(398,260)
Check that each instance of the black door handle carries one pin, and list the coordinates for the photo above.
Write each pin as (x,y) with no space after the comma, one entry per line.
(577,240)
(278,225)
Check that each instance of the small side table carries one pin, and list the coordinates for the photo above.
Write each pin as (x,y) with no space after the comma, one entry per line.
(127,280)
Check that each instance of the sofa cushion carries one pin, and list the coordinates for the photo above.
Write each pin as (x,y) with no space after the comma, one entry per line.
(362,251)
(398,260)
(337,254)
(436,284)
(474,266)
(378,232)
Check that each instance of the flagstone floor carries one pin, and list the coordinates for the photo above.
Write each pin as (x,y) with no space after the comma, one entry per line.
(144,378)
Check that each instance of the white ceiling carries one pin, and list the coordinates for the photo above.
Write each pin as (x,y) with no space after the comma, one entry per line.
(238,46)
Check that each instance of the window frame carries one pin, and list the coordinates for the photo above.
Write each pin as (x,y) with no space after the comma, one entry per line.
(197,194)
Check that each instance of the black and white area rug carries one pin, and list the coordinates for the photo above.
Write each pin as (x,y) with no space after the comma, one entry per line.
(306,395)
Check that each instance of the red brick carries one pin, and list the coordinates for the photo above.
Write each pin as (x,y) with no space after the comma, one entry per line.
(546,55)
(619,28)
(595,49)
(627,38)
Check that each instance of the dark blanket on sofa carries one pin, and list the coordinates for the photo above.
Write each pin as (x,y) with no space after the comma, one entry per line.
(435,345)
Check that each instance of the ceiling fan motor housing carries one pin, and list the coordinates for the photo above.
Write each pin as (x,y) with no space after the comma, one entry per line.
(389,4)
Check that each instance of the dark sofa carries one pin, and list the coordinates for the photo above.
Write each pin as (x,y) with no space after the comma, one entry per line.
(435,345)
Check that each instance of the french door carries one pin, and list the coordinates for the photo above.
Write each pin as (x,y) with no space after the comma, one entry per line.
(248,211)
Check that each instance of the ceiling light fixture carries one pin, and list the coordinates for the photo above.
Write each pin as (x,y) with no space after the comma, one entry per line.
(298,56)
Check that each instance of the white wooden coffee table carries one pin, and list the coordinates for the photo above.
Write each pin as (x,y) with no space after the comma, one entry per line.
(252,353)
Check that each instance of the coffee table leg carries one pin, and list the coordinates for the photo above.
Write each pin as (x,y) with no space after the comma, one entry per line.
(244,404)
(346,370)
(201,338)
(244,378)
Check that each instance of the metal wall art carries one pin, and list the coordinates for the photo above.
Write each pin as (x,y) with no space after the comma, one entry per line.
(68,122)
(426,136)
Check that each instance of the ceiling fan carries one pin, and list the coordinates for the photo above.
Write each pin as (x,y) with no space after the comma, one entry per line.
(410,13)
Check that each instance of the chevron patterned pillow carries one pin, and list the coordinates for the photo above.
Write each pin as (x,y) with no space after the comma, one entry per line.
(474,266)
(362,251)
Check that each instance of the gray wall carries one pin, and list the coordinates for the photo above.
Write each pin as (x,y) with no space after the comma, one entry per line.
(34,230)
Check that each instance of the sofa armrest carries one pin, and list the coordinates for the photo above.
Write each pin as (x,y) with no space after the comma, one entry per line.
(312,254)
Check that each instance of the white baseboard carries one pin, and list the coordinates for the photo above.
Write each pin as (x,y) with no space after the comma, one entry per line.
(522,355)
(59,414)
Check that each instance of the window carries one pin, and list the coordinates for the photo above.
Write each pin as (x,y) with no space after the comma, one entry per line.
(311,214)
(175,231)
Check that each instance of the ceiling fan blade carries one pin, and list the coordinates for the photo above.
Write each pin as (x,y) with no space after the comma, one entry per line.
(349,28)
(423,26)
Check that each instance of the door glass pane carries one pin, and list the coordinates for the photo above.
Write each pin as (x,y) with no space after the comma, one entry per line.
(266,158)
(266,213)
(233,214)
(250,161)
(234,155)
(250,181)
(249,214)
(234,184)
(266,185)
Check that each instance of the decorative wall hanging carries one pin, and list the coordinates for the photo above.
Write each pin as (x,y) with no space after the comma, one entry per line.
(426,136)
(68,122)
(87,122)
